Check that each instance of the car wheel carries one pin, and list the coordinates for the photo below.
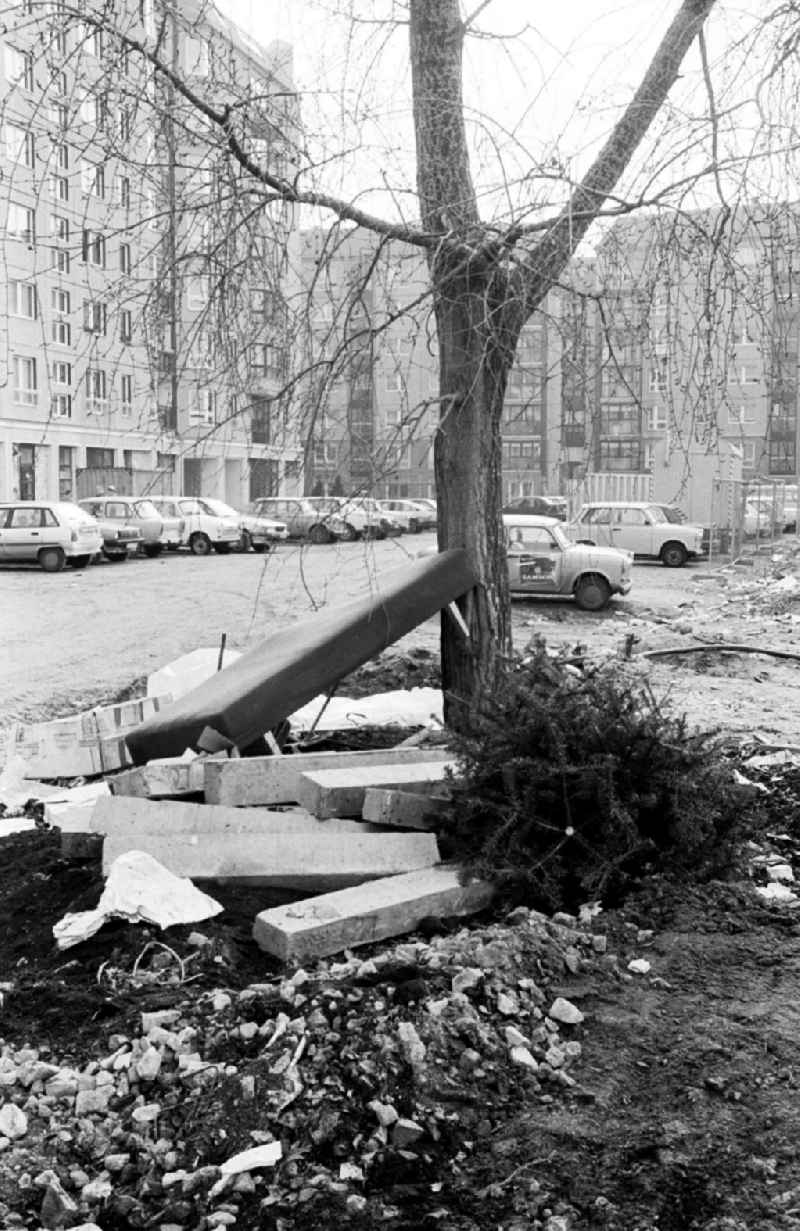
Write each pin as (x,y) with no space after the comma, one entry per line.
(349,533)
(152,550)
(319,534)
(222,549)
(414,527)
(173,546)
(260,548)
(200,545)
(592,592)
(51,559)
(79,561)
(245,541)
(114,557)
(674,555)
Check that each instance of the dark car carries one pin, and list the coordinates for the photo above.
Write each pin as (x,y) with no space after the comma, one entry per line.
(538,506)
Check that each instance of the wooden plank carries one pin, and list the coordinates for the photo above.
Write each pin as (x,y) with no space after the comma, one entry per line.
(281,674)
(402,809)
(168,778)
(340,792)
(245,781)
(371,912)
(313,861)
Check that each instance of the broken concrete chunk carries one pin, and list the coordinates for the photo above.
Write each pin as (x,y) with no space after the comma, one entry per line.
(562,1010)
(402,809)
(319,859)
(340,792)
(374,911)
(170,777)
(245,781)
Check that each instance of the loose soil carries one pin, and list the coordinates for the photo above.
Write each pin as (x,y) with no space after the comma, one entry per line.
(685,1113)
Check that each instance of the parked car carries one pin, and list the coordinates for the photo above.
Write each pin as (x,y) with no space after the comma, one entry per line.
(136,511)
(543,561)
(639,527)
(672,513)
(118,531)
(49,533)
(258,533)
(412,515)
(303,520)
(538,506)
(362,516)
(201,529)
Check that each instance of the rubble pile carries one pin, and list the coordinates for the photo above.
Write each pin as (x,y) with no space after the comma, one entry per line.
(352,1086)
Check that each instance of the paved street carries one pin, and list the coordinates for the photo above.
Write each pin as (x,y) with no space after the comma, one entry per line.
(76,633)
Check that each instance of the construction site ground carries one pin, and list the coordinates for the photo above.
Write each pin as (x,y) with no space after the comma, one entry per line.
(679,1109)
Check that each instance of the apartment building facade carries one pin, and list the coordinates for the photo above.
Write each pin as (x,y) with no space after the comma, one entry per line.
(372,403)
(143,333)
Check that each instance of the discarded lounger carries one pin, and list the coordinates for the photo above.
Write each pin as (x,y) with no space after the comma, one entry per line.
(268,683)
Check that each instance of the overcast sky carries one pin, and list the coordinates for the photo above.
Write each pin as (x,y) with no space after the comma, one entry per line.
(549,87)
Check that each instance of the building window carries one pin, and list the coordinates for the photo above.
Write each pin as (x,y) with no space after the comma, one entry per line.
(659,374)
(266,361)
(623,456)
(61,332)
(19,67)
(25,387)
(95,316)
(59,187)
(60,329)
(99,459)
(124,191)
(61,405)
(260,421)
(22,300)
(65,471)
(20,145)
(93,179)
(743,374)
(125,258)
(738,415)
(124,120)
(393,382)
(94,248)
(22,223)
(205,409)
(61,301)
(658,418)
(126,395)
(61,373)
(96,399)
(125,325)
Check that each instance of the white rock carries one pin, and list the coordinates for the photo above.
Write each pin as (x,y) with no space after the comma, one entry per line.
(384,1113)
(99,1189)
(411,1043)
(148,1066)
(639,966)
(524,1058)
(147,1113)
(507,1005)
(555,1057)
(220,1001)
(93,1102)
(467,978)
(515,1038)
(13,1121)
(565,1011)
(349,1171)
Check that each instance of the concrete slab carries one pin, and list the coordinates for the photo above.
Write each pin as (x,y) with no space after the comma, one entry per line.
(340,792)
(388,907)
(121,814)
(401,809)
(165,779)
(245,781)
(313,861)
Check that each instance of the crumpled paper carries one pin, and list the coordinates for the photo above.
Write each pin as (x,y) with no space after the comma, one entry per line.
(141,890)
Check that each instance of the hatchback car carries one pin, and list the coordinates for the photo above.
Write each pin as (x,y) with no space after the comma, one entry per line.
(639,527)
(48,533)
(201,529)
(412,515)
(123,526)
(258,533)
(302,518)
(542,561)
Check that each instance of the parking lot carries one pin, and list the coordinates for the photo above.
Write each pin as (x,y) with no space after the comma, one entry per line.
(68,636)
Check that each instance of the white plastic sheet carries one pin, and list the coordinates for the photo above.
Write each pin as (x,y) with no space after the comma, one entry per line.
(185,673)
(141,890)
(414,707)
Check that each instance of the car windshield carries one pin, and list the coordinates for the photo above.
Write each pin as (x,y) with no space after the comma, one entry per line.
(145,508)
(559,536)
(190,506)
(656,513)
(217,508)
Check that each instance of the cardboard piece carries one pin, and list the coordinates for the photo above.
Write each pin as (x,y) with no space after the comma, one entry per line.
(401,809)
(340,792)
(312,860)
(320,926)
(275,678)
(82,745)
(245,781)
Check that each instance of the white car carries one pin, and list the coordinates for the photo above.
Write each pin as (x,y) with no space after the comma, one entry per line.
(413,516)
(49,533)
(256,532)
(637,526)
(542,561)
(202,529)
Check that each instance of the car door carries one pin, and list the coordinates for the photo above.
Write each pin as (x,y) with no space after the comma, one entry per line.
(23,536)
(631,530)
(5,514)
(595,525)
(534,560)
